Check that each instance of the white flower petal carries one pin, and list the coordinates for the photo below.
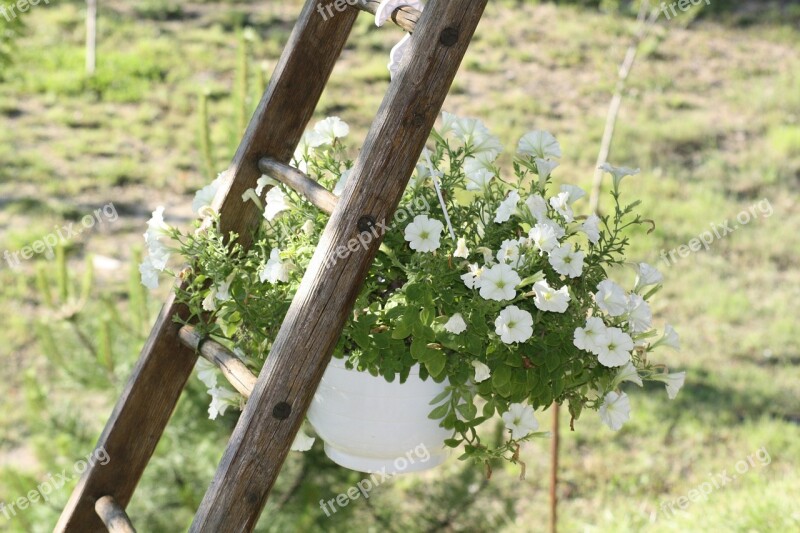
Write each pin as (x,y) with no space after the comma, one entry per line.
(424,234)
(499,283)
(482,372)
(520,420)
(514,325)
(456,324)
(616,410)
(539,143)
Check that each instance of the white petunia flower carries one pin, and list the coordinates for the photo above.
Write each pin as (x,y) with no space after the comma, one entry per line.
(472,279)
(615,348)
(639,315)
(276,203)
(616,410)
(537,206)
(507,207)
(674,382)
(545,167)
(611,298)
(205,196)
(514,325)
(327,131)
(221,399)
(499,282)
(482,372)
(275,270)
(476,135)
(448,122)
(156,227)
(308,227)
(210,301)
(478,162)
(560,203)
(303,151)
(149,274)
(618,173)
(670,338)
(461,248)
(591,227)
(487,145)
(456,324)
(549,299)
(488,255)
(591,336)
(468,128)
(158,253)
(509,253)
(567,262)
(627,373)
(539,144)
(557,228)
(338,189)
(520,420)
(646,275)
(574,192)
(262,182)
(543,237)
(479,179)
(223,293)
(424,234)
(207,372)
(302,442)
(422,174)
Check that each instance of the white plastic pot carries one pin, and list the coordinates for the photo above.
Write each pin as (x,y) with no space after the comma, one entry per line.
(371,425)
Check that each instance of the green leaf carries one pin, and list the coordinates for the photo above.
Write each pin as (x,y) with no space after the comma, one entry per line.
(440,397)
(415,292)
(558,385)
(474,344)
(488,409)
(440,412)
(419,349)
(426,316)
(501,376)
(402,330)
(551,359)
(530,280)
(436,362)
(467,410)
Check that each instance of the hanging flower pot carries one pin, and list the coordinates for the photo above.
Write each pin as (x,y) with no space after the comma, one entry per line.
(371,425)
(490,282)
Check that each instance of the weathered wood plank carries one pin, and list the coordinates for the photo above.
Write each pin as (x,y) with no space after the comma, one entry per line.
(143,410)
(315,193)
(233,368)
(303,347)
(113,515)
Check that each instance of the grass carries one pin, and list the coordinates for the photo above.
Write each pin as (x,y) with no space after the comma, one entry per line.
(712,117)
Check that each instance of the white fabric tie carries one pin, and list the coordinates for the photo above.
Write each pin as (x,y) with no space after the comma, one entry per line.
(382,14)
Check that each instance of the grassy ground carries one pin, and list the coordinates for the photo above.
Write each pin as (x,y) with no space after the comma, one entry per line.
(712,117)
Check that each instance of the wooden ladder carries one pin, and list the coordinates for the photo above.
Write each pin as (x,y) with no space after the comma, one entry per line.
(280,396)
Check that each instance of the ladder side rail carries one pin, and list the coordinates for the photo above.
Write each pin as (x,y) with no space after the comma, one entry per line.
(151,394)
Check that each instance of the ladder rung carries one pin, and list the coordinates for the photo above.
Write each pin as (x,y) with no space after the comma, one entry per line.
(113,515)
(233,368)
(406,17)
(302,184)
